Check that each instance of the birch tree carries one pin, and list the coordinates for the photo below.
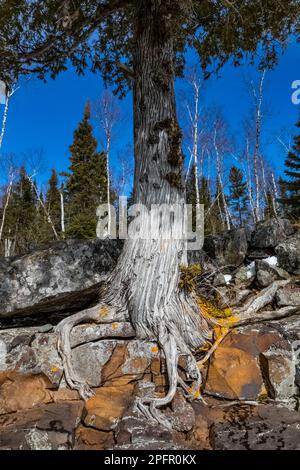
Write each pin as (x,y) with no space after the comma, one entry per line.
(8,94)
(107,114)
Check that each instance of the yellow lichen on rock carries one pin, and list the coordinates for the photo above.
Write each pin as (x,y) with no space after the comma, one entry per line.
(223,318)
(103,312)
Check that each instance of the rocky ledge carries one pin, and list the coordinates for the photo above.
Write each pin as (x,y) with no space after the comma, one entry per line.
(251,383)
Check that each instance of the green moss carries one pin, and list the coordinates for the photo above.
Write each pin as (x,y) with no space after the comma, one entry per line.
(175,157)
(189,276)
(174,180)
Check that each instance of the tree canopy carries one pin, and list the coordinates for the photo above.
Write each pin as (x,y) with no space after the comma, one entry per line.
(41,36)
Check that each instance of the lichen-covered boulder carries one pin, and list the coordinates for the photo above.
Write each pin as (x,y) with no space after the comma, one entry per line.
(288,253)
(62,277)
(269,233)
(227,249)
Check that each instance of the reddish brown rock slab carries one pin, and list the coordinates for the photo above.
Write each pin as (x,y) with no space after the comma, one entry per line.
(45,427)
(244,365)
(234,374)
(20,392)
(92,439)
(105,409)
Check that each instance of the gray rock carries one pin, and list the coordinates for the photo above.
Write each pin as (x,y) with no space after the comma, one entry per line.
(245,275)
(288,296)
(288,253)
(227,249)
(270,233)
(46,427)
(257,428)
(65,276)
(266,274)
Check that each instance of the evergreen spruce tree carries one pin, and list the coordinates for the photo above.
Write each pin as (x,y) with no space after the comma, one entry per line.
(21,215)
(85,187)
(282,196)
(291,199)
(210,225)
(238,194)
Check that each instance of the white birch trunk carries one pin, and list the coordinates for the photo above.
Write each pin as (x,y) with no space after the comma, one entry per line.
(7,198)
(62,211)
(4,120)
(259,101)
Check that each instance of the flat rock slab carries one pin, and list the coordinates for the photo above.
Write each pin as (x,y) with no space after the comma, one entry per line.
(64,276)
(257,428)
(46,427)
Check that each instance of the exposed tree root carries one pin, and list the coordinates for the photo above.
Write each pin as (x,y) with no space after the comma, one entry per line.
(258,302)
(98,314)
(178,332)
(207,356)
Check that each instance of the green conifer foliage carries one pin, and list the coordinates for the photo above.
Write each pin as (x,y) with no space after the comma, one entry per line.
(291,196)
(238,195)
(86,182)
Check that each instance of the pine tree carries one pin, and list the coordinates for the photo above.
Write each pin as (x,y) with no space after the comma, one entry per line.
(21,215)
(86,184)
(210,220)
(238,194)
(291,199)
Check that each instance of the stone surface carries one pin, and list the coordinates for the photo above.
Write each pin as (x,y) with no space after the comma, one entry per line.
(251,363)
(279,373)
(91,439)
(234,374)
(21,392)
(227,249)
(182,415)
(288,295)
(105,409)
(270,233)
(62,277)
(45,427)
(288,253)
(257,428)
(267,274)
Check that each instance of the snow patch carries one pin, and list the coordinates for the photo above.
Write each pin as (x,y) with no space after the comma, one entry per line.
(271,261)
(227,278)
(251,271)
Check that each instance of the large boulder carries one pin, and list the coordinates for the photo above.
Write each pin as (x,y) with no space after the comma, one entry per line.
(227,249)
(253,363)
(270,233)
(63,277)
(288,253)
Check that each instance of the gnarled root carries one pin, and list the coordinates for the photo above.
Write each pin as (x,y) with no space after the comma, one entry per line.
(173,346)
(98,314)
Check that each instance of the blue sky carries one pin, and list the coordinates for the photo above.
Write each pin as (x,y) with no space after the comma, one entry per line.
(43,116)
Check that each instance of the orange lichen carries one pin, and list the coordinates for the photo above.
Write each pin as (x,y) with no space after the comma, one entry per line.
(114,326)
(103,312)
(154,349)
(54,369)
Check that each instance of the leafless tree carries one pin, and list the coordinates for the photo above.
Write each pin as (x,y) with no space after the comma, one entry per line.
(107,114)
(10,169)
(8,95)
